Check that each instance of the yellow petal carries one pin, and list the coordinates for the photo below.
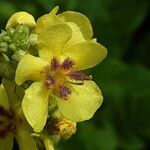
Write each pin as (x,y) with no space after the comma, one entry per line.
(21,18)
(82,103)
(81,20)
(55,10)
(29,68)
(77,35)
(52,40)
(7,142)
(3,97)
(86,54)
(35,105)
(47,21)
(94,40)
(25,140)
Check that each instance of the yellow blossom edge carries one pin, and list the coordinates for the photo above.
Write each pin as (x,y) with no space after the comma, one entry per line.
(82,102)
(54,10)
(77,36)
(47,21)
(81,20)
(21,18)
(86,54)
(29,68)
(35,105)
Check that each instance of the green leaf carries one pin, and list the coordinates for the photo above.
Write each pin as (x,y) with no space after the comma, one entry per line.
(98,138)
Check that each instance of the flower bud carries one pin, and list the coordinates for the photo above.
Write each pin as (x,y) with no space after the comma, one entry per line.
(21,18)
(63,127)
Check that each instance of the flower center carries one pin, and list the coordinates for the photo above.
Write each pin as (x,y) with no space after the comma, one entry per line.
(9,122)
(59,75)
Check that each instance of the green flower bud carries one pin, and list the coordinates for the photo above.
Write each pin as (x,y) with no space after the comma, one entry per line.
(3,47)
(13,47)
(15,42)
(33,39)
(18,55)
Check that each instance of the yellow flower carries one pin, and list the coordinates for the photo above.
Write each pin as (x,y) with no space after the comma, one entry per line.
(11,126)
(21,18)
(65,49)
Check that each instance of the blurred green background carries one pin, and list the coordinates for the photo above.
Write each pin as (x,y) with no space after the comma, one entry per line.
(123,121)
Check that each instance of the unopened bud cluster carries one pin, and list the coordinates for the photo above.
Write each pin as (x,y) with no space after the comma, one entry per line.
(15,42)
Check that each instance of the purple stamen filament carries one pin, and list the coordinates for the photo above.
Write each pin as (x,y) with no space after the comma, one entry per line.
(78,75)
(54,64)
(56,77)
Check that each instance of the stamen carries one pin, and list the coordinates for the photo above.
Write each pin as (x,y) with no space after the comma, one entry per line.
(50,81)
(78,75)
(67,64)
(64,91)
(54,64)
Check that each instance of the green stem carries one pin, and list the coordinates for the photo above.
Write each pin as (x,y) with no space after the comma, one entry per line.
(48,144)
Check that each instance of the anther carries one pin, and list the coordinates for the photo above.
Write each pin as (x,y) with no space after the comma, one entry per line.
(54,64)
(50,81)
(64,91)
(78,75)
(67,64)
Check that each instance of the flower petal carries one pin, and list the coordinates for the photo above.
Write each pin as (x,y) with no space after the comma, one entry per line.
(3,97)
(86,54)
(21,18)
(55,10)
(35,105)
(29,68)
(25,140)
(82,102)
(52,40)
(47,21)
(7,142)
(81,20)
(77,36)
